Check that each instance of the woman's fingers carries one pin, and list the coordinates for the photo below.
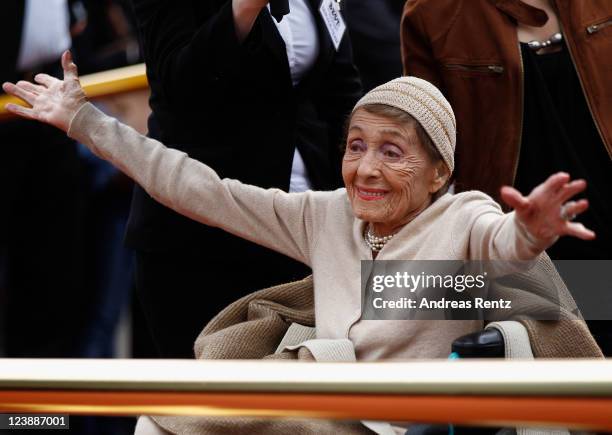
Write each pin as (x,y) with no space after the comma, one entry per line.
(45,79)
(31,87)
(513,198)
(24,112)
(578,230)
(6,86)
(547,209)
(70,69)
(555,182)
(19,92)
(574,208)
(571,189)
(54,101)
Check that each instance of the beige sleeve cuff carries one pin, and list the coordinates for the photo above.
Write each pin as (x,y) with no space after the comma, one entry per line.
(85,122)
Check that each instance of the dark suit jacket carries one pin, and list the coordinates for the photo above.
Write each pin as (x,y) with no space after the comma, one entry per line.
(233,106)
(375,35)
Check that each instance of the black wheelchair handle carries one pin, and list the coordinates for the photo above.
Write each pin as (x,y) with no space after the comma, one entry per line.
(488,343)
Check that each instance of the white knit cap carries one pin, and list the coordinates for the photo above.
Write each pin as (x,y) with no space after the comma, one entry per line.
(425,103)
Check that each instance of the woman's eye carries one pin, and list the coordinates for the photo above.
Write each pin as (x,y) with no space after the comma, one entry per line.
(391,152)
(356,146)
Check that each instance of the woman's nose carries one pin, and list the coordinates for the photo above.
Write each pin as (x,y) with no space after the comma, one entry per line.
(369,165)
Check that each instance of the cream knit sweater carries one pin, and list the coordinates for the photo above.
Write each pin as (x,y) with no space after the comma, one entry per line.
(318,229)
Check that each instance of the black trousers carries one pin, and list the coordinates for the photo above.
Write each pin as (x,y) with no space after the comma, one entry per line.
(180,291)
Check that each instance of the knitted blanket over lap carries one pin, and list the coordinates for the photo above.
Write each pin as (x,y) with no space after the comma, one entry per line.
(252,328)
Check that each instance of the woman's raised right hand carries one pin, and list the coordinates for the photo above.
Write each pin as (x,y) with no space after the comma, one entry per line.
(52,101)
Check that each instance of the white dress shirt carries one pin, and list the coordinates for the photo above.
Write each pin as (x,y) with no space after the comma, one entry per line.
(299,31)
(46,33)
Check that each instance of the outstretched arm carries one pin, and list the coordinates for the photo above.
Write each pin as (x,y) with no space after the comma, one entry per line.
(536,223)
(278,220)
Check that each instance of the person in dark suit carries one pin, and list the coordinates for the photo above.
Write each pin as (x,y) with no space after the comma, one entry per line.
(40,294)
(259,108)
(375,35)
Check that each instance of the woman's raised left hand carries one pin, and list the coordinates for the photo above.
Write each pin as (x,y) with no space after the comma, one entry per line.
(52,100)
(547,212)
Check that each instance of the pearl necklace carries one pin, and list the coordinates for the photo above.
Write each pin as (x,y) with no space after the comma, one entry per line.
(374,242)
(553,40)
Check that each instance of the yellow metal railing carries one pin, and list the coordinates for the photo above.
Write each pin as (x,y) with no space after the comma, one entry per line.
(98,85)
(573,394)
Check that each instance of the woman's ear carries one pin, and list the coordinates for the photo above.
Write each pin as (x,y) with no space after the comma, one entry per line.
(440,176)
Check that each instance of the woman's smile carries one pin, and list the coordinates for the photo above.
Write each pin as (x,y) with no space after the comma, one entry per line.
(370,194)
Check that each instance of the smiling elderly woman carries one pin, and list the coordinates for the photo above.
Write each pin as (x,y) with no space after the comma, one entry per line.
(397,163)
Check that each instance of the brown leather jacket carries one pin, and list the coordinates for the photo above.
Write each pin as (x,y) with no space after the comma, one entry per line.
(470,50)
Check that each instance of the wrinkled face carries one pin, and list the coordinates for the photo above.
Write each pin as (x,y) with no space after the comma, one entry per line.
(389,177)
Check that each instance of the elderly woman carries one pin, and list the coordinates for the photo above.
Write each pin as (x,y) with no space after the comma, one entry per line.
(398,159)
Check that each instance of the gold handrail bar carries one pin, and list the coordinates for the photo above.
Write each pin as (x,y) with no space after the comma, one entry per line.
(575,394)
(98,85)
